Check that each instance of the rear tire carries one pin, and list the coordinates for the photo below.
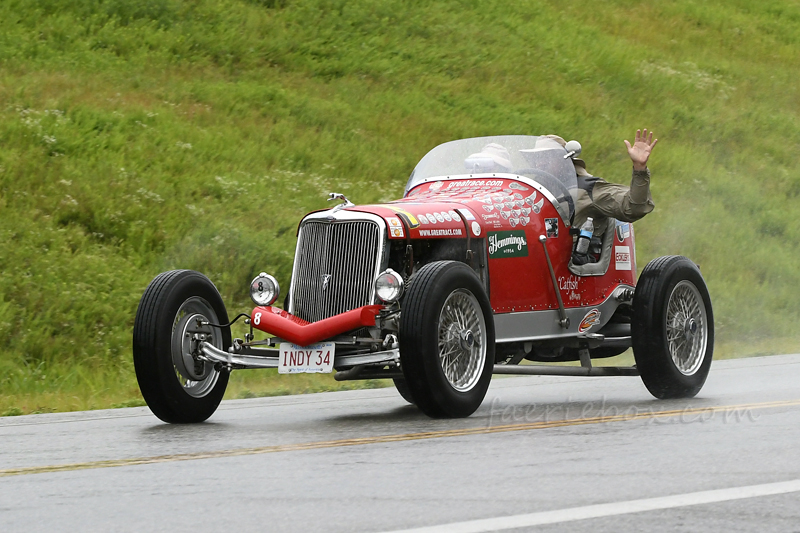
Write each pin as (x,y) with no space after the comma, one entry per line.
(447,340)
(672,328)
(176,386)
(402,387)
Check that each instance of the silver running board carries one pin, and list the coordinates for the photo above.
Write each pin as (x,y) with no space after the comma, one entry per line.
(547,370)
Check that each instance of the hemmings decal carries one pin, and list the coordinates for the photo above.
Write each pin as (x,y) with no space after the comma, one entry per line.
(592,318)
(508,244)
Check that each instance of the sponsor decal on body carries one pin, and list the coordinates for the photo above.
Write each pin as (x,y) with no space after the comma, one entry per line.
(570,283)
(466,214)
(570,286)
(474,184)
(516,186)
(423,219)
(395,227)
(622,257)
(623,231)
(476,229)
(507,244)
(431,218)
(456,232)
(592,318)
(551,225)
(410,219)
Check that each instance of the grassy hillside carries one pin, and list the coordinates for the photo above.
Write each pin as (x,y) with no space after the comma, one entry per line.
(137,137)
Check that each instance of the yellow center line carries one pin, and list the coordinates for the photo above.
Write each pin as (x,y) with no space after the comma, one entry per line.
(392,438)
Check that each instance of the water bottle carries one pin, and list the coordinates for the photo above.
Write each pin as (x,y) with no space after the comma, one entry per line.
(581,254)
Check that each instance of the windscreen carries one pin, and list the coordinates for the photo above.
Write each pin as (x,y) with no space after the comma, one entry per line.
(539,158)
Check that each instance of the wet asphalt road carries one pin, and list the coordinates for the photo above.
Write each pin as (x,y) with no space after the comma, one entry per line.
(367,461)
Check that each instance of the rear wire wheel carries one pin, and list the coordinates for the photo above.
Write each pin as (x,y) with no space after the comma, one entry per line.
(672,328)
(446,340)
(177,386)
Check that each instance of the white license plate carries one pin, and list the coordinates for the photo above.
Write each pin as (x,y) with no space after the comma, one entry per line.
(311,359)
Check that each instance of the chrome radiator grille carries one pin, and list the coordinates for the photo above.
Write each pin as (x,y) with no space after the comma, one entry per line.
(335,268)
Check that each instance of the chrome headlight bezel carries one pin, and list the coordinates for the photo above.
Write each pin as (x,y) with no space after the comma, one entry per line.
(267,292)
(389,286)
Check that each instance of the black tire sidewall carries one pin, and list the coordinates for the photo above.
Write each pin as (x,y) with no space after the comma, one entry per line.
(419,352)
(649,328)
(153,347)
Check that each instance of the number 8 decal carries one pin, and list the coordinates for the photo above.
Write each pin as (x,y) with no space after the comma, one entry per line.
(257,319)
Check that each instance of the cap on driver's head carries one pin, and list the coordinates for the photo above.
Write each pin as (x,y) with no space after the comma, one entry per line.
(560,140)
(557,139)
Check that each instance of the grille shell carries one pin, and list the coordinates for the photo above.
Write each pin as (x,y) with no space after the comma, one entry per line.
(349,253)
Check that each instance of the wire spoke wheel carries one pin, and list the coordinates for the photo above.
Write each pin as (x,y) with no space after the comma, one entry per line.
(672,328)
(687,327)
(462,340)
(446,340)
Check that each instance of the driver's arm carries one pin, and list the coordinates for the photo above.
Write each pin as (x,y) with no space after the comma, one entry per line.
(627,204)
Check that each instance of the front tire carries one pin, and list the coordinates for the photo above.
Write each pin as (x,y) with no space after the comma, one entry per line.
(447,340)
(672,328)
(177,387)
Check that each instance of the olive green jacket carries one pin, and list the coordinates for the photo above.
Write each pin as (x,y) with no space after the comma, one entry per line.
(601,200)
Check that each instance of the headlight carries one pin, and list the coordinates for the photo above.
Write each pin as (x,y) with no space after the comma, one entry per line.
(264,289)
(389,286)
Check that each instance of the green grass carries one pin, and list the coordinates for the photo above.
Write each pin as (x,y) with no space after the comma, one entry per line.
(137,137)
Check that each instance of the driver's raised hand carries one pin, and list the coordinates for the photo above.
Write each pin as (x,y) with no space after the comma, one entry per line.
(640,151)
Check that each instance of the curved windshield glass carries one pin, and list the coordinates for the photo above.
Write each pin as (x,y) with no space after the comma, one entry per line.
(541,159)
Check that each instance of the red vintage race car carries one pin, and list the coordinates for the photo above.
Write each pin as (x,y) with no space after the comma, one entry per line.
(469,274)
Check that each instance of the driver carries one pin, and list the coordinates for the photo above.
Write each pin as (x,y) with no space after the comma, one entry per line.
(600,199)
(492,158)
